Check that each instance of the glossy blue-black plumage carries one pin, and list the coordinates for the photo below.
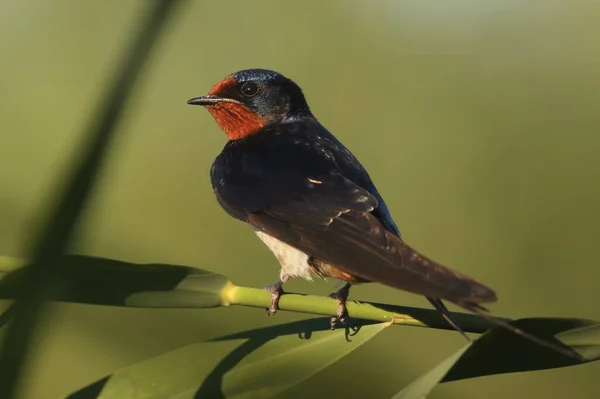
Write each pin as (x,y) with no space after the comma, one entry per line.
(293,180)
(276,163)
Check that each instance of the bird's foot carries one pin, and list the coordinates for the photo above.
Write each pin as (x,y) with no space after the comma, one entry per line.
(342,317)
(341,296)
(276,290)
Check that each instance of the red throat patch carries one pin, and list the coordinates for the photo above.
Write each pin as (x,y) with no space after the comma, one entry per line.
(236,120)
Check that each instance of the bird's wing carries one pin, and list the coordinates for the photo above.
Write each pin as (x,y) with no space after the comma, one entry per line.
(329,217)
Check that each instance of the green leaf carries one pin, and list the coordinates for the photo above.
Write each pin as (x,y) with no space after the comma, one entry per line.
(258,363)
(109,282)
(103,281)
(500,351)
(421,387)
(584,340)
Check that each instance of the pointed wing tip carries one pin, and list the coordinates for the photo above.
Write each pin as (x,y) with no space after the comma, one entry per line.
(484,294)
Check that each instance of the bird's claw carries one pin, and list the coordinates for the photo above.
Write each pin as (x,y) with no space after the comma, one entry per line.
(342,319)
(276,291)
(342,311)
(271,310)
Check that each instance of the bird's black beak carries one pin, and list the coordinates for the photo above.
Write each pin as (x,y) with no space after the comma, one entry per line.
(210,99)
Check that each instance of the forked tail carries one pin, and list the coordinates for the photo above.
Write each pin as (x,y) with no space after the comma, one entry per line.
(440,307)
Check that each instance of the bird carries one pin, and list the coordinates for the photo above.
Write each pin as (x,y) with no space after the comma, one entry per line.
(311,201)
(315,206)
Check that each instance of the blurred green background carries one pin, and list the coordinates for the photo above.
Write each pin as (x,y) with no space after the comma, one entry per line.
(478,121)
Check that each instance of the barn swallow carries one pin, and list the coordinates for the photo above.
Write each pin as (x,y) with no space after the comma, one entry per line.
(311,201)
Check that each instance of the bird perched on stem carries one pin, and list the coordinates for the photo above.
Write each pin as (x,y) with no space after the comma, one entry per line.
(311,201)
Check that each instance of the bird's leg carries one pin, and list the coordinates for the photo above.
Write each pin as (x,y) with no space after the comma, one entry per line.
(276,290)
(342,311)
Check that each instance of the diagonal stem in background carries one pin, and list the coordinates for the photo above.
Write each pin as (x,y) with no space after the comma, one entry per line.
(57,232)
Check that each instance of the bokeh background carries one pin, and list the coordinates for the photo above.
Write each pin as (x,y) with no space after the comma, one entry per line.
(477,120)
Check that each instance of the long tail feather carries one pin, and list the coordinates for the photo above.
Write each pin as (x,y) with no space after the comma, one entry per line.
(439,305)
(481,312)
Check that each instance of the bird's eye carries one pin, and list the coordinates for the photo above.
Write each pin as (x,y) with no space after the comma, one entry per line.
(249,89)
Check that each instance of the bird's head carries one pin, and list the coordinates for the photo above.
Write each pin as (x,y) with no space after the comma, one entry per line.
(247,100)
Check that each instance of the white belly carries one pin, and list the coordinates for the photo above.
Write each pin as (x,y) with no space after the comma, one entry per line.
(293,262)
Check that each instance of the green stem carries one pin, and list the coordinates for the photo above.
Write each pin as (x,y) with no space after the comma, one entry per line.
(404,315)
(94,275)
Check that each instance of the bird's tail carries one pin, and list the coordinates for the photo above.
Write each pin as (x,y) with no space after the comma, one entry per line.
(440,307)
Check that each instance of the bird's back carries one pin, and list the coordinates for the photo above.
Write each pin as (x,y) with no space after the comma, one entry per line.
(288,152)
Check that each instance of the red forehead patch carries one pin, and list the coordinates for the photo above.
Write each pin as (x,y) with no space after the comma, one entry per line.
(223,85)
